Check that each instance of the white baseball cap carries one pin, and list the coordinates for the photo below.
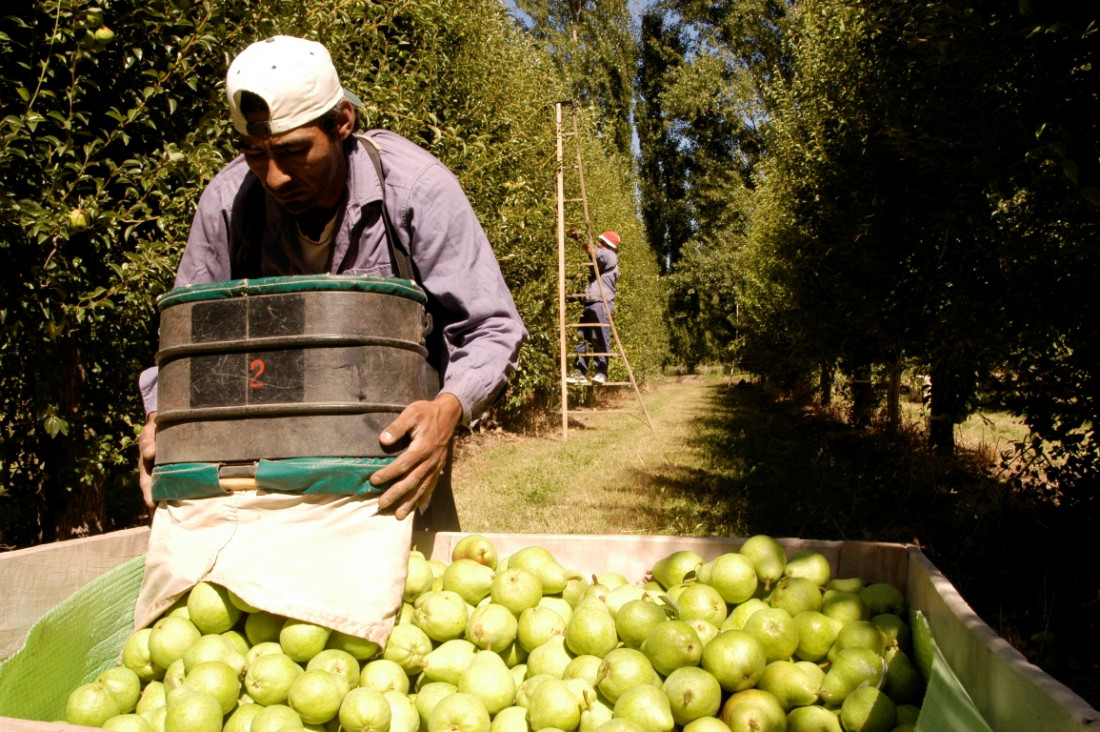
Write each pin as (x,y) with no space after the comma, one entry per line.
(294,76)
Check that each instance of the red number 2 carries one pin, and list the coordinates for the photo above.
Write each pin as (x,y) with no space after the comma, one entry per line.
(257,369)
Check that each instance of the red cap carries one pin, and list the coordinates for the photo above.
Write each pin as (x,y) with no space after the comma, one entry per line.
(610,239)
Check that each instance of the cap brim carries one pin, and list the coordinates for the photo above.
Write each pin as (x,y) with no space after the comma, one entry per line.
(352,98)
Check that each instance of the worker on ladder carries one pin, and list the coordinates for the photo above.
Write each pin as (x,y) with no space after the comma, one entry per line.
(599,305)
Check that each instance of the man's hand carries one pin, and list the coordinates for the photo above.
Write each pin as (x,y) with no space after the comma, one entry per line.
(429,427)
(147,453)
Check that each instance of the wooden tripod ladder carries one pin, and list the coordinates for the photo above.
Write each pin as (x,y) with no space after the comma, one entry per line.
(564,297)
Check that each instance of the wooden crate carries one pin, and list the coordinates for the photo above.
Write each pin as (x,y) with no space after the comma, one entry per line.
(1010,693)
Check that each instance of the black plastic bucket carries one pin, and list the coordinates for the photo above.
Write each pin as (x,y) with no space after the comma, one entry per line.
(288,367)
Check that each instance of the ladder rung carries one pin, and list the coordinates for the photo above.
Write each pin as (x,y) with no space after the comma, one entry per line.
(604,411)
(573,200)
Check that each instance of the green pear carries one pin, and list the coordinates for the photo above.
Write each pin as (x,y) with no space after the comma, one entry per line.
(611,580)
(776,631)
(816,634)
(596,715)
(671,570)
(795,594)
(903,682)
(241,719)
(789,684)
(550,658)
(672,644)
(768,558)
(428,696)
(169,637)
(478,548)
(276,718)
(692,693)
(882,597)
(340,663)
(263,627)
(753,710)
(619,596)
(469,578)
(536,625)
(302,640)
(213,647)
(558,604)
(218,680)
(585,667)
(815,672)
(648,706)
(844,606)
(622,669)
(851,669)
(137,658)
(702,601)
(516,589)
(575,587)
(898,633)
(732,574)
(316,696)
(636,618)
(191,710)
(704,629)
(543,565)
(510,719)
(706,724)
(859,634)
(620,725)
(407,646)
(383,675)
(448,660)
(365,710)
(488,678)
(152,696)
(526,688)
(359,648)
(442,615)
(128,723)
(591,630)
(735,658)
(91,705)
(459,712)
(124,683)
(269,678)
(740,614)
(554,704)
(868,710)
(813,719)
(908,714)
(418,577)
(210,608)
(846,584)
(810,564)
(492,627)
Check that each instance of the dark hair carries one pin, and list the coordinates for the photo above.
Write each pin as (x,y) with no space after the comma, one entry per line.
(330,120)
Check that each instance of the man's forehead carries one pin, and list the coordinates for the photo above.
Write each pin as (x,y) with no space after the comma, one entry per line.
(297,136)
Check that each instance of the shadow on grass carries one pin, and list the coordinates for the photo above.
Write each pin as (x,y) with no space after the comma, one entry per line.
(779,469)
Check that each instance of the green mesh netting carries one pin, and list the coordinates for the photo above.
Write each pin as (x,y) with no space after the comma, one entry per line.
(70,645)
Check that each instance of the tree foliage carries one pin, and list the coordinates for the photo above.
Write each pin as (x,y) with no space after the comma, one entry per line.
(113,119)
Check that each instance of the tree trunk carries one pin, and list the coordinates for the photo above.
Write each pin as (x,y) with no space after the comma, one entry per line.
(827,370)
(863,397)
(71,508)
(893,398)
(952,386)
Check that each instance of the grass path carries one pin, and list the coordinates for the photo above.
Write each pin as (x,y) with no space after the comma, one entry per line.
(610,476)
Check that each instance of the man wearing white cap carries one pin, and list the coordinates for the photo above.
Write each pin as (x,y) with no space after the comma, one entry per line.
(599,304)
(305,197)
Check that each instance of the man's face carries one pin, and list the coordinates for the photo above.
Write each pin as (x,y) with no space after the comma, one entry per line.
(303,169)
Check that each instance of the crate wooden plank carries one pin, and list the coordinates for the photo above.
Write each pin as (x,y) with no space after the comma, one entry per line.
(34,580)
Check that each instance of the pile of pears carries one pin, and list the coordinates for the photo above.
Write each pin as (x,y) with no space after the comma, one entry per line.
(751,640)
